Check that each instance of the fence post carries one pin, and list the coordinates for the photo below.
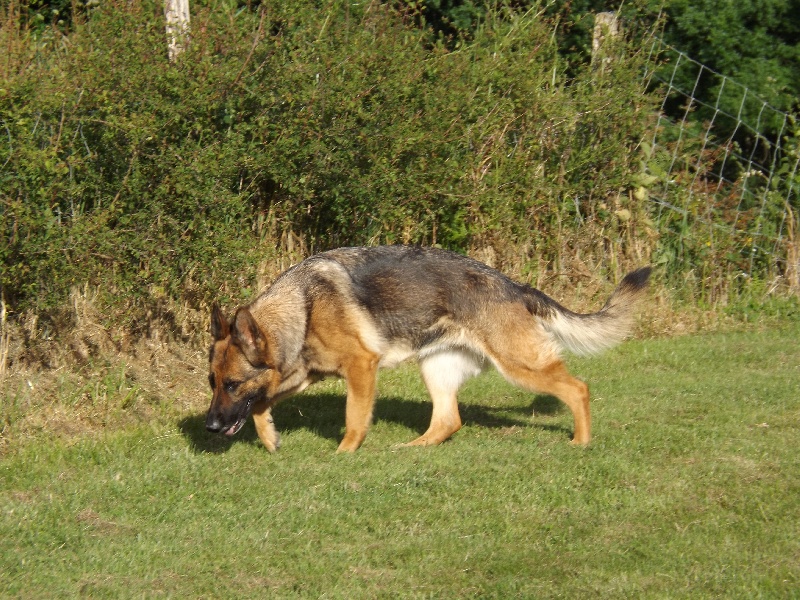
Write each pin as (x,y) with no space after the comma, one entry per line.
(792,252)
(176,13)
(5,335)
(606,28)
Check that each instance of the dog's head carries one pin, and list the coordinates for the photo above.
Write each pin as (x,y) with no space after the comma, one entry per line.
(241,372)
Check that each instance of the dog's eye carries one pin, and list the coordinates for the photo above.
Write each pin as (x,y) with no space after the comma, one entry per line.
(230,386)
(211,381)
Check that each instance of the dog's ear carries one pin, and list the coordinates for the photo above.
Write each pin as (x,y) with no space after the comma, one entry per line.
(220,328)
(248,337)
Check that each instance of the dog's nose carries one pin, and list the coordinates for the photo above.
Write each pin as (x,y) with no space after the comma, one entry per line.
(213,424)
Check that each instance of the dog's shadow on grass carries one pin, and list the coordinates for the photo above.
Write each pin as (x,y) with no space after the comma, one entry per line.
(323,415)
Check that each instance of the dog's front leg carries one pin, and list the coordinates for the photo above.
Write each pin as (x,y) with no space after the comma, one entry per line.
(361,375)
(265,426)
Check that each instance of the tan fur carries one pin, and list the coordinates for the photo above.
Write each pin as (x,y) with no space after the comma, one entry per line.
(333,336)
(352,311)
(265,426)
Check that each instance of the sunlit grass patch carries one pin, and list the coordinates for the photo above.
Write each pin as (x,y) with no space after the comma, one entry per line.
(689,489)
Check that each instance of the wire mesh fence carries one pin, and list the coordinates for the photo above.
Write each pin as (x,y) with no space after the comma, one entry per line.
(723,170)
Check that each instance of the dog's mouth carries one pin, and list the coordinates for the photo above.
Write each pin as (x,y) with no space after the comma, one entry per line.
(234,429)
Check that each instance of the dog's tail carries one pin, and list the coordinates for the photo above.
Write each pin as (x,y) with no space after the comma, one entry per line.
(595,332)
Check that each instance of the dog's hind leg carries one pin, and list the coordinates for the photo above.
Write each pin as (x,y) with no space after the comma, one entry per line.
(444,372)
(554,379)
(526,356)
(361,374)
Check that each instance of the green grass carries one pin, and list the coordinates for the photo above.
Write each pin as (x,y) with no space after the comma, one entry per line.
(689,490)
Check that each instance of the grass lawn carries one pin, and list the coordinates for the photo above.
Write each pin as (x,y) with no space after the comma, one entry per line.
(690,489)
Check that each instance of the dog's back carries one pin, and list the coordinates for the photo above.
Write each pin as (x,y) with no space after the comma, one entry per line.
(421,294)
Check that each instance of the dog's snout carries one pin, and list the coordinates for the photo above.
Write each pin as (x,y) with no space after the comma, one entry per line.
(213,423)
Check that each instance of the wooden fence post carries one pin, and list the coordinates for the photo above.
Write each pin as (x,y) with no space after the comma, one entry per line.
(176,13)
(606,28)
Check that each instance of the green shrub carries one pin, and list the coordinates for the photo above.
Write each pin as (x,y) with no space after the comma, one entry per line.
(338,123)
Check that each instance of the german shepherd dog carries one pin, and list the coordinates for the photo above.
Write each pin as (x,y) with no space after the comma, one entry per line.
(351,311)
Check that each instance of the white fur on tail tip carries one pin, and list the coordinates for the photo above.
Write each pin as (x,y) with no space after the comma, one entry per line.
(593,333)
(589,334)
